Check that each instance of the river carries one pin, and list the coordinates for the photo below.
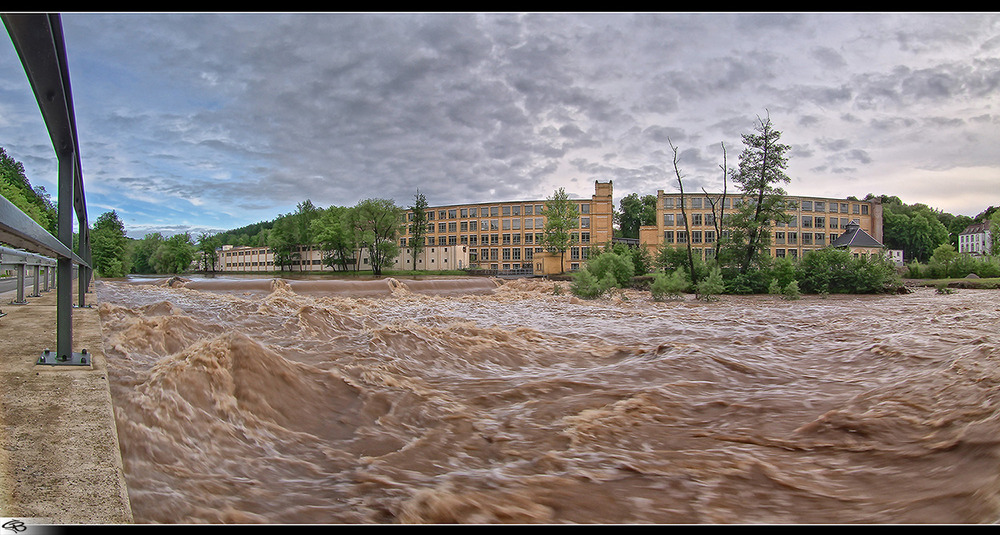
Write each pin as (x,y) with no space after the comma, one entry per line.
(481,401)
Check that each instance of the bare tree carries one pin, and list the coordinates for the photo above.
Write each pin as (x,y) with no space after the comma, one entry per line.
(719,204)
(687,225)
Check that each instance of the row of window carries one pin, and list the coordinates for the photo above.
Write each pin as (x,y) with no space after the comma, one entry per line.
(806,221)
(832,207)
(492,211)
(490,239)
(486,225)
(780,238)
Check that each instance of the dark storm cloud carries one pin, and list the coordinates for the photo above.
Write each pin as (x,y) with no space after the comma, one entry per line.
(242,116)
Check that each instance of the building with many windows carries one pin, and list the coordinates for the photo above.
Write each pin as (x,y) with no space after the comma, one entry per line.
(492,236)
(505,235)
(815,223)
(976,239)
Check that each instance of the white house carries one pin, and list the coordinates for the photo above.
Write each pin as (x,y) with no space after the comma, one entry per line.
(975,239)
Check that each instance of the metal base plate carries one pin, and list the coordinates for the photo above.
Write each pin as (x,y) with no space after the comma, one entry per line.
(76,359)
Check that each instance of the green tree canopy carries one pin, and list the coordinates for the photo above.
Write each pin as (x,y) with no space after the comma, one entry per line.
(561,217)
(331,232)
(418,226)
(762,167)
(635,211)
(15,187)
(375,225)
(109,246)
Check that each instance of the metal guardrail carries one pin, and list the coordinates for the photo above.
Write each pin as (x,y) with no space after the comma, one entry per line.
(20,261)
(38,39)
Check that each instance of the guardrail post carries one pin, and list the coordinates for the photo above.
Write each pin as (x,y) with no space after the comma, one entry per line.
(64,279)
(36,281)
(20,286)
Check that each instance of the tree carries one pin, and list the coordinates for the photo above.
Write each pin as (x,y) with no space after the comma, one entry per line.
(561,217)
(284,241)
(687,224)
(330,231)
(143,251)
(207,244)
(762,167)
(635,212)
(943,255)
(174,255)
(418,226)
(719,205)
(15,187)
(375,226)
(109,246)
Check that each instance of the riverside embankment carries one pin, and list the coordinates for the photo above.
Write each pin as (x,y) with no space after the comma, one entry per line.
(60,461)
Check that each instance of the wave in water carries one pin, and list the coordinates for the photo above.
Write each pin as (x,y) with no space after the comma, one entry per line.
(471,401)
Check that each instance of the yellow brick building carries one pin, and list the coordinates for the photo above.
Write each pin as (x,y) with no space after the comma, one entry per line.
(816,223)
(505,235)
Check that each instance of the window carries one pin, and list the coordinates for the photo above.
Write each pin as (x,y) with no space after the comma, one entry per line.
(515,210)
(506,210)
(668,236)
(696,236)
(452,214)
(709,236)
(452,227)
(506,224)
(682,236)
(819,206)
(793,238)
(584,222)
(529,209)
(585,208)
(668,202)
(515,224)
(696,202)
(864,209)
(820,221)
(779,238)
(668,220)
(696,220)
(442,227)
(807,221)
(807,206)
(464,226)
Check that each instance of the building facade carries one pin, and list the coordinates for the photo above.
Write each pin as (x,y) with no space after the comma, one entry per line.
(492,236)
(505,235)
(815,223)
(976,239)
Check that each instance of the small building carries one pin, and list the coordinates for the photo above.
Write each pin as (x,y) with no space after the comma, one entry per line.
(858,242)
(976,239)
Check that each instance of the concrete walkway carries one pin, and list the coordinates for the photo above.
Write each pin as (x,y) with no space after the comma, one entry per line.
(59,456)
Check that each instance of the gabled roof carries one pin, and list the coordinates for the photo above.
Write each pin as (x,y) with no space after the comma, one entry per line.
(855,237)
(976,228)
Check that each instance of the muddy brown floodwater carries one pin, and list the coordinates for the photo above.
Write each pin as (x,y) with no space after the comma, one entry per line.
(478,401)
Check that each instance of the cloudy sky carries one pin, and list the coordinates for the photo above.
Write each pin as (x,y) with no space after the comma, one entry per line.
(208,122)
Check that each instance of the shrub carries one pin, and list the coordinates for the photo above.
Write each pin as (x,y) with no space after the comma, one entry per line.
(619,267)
(586,285)
(774,288)
(710,287)
(669,286)
(791,291)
